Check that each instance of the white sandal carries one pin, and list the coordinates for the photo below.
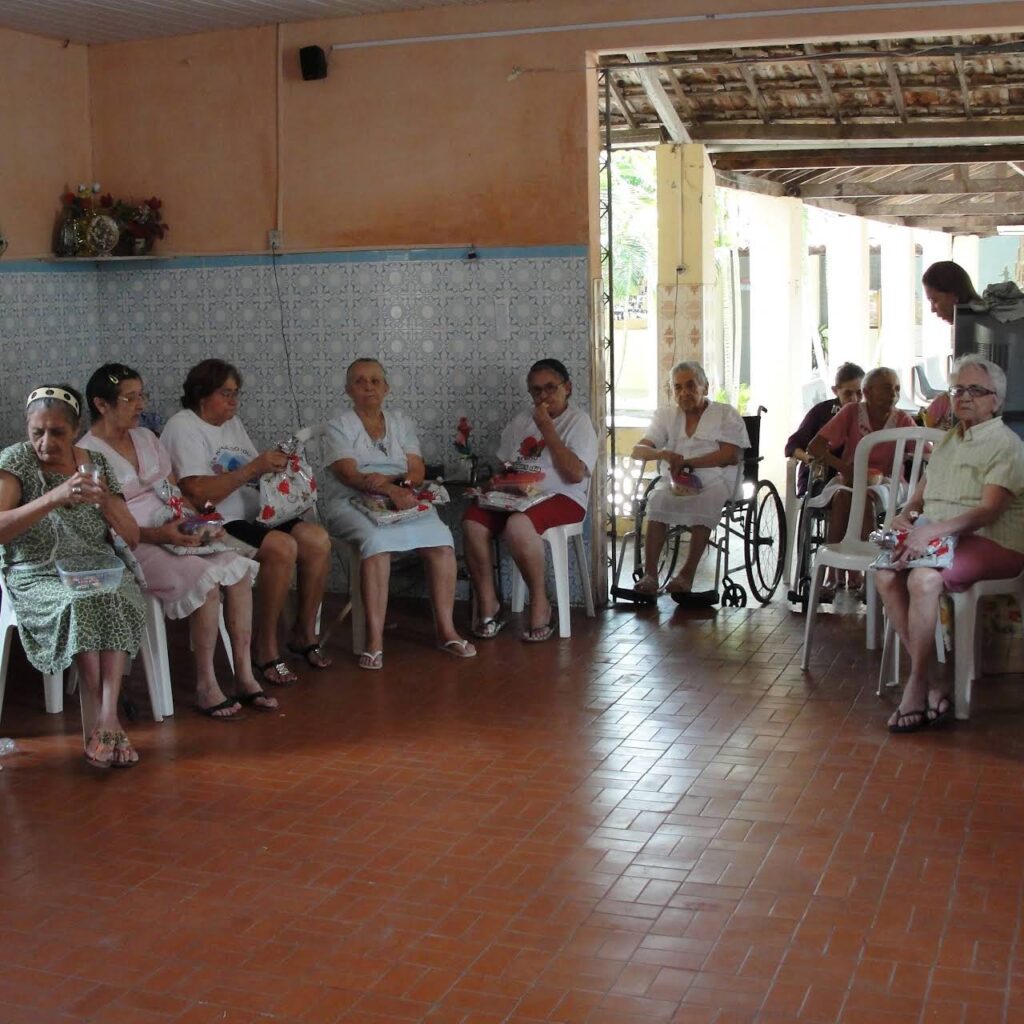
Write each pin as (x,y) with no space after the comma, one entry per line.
(372,660)
(458,648)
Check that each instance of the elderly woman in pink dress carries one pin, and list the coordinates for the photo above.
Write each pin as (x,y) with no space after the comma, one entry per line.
(188,585)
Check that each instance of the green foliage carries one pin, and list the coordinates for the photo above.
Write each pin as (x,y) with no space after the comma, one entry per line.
(739,402)
(634,221)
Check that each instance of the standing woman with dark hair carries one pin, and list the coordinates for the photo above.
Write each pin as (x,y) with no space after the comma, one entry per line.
(559,441)
(49,508)
(215,461)
(946,285)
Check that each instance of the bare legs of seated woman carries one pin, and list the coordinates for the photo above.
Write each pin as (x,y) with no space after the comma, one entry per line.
(204,626)
(375,576)
(682,582)
(527,550)
(99,675)
(911,600)
(306,549)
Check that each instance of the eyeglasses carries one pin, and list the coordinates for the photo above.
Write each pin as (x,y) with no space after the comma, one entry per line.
(544,389)
(139,396)
(974,390)
(230,394)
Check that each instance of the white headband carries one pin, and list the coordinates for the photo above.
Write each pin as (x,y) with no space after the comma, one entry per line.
(59,393)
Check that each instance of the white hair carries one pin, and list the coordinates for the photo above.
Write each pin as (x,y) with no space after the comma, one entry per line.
(690,366)
(877,372)
(996,376)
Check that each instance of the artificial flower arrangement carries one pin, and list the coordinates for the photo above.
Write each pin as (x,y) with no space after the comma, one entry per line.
(92,225)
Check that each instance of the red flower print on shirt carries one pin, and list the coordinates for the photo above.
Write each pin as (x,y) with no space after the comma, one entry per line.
(531,447)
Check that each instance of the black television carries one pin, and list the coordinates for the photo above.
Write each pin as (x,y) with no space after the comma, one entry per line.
(1000,342)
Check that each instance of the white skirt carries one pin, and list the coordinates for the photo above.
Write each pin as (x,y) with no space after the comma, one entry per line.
(703,509)
(348,523)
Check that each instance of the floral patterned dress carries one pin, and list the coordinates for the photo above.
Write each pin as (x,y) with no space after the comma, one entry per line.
(55,624)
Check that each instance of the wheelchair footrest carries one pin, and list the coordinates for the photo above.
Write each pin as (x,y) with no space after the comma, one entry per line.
(696,598)
(626,594)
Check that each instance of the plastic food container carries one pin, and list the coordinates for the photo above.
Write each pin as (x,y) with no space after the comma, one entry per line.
(90,574)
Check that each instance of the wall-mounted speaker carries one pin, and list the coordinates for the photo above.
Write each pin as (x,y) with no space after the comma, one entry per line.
(313,62)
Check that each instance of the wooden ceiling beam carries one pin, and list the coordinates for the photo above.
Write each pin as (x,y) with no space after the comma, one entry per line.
(917,130)
(755,93)
(965,89)
(953,208)
(917,187)
(688,108)
(766,160)
(620,101)
(899,104)
(960,226)
(823,84)
(666,111)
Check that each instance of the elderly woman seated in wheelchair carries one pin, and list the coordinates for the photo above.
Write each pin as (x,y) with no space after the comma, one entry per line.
(698,445)
(973,491)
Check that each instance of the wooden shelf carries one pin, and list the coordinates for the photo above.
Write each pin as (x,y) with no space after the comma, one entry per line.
(104,259)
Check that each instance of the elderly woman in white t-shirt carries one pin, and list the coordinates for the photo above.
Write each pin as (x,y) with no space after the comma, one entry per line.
(215,461)
(373,452)
(697,436)
(554,438)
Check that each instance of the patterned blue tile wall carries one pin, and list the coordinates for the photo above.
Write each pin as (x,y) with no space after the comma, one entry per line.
(436,320)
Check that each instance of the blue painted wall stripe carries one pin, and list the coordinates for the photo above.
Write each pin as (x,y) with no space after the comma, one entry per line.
(294,259)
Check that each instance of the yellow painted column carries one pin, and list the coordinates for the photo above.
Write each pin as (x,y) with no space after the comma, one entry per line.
(686,258)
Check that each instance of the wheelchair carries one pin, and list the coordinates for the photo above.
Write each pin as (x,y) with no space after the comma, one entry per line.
(754,515)
(811,531)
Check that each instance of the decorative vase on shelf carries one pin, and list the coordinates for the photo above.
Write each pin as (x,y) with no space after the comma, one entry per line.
(101,235)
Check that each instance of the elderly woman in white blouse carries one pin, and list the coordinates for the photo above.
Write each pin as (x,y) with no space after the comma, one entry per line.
(377,453)
(696,436)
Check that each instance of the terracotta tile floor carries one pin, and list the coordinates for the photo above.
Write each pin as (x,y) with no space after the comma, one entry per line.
(659,820)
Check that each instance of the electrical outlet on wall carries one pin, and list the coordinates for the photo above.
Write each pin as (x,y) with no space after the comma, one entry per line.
(274,239)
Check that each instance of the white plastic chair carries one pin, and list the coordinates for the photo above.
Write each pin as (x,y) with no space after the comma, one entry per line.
(967,637)
(967,640)
(852,553)
(154,659)
(792,508)
(349,554)
(53,685)
(557,538)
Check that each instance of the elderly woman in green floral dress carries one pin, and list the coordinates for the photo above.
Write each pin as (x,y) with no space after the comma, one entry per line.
(48,510)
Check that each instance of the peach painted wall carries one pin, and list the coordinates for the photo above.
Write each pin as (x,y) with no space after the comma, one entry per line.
(44,136)
(192,120)
(403,145)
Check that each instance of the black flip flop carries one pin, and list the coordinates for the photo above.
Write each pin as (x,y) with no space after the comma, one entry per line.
(227,702)
(249,700)
(282,670)
(307,651)
(937,715)
(899,727)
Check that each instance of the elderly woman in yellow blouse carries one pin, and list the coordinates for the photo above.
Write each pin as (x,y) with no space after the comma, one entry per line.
(697,436)
(974,491)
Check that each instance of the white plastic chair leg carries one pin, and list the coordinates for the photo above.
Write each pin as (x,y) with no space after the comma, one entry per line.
(871,596)
(817,575)
(355,593)
(518,602)
(155,661)
(5,657)
(583,568)
(560,568)
(965,653)
(226,639)
(53,692)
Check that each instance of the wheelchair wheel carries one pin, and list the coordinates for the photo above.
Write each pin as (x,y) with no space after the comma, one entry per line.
(764,541)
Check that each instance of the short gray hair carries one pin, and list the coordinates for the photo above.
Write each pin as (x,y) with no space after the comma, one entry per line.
(873,375)
(690,366)
(996,376)
(359,362)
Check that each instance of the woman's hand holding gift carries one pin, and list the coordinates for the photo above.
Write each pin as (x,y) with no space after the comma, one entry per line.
(271,461)
(402,497)
(378,483)
(171,533)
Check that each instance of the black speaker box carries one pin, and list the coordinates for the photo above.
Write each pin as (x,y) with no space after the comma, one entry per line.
(313,62)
